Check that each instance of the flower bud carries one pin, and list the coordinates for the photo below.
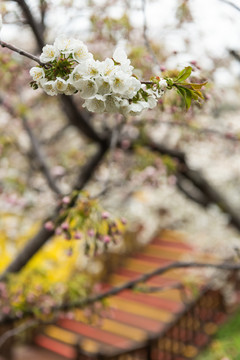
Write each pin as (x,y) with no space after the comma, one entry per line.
(49,225)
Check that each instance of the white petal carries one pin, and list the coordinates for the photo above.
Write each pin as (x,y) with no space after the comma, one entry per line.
(112,104)
(95,105)
(49,53)
(119,55)
(60,85)
(103,86)
(37,73)
(87,88)
(80,53)
(70,90)
(49,87)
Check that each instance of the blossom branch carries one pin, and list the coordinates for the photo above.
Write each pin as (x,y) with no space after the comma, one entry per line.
(75,117)
(21,52)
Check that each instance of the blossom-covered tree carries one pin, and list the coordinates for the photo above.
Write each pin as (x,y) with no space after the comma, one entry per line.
(113,141)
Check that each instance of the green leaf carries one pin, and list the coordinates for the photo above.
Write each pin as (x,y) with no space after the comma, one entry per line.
(188,98)
(197,86)
(186,94)
(184,74)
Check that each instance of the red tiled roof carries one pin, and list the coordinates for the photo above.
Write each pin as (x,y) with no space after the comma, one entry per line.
(132,317)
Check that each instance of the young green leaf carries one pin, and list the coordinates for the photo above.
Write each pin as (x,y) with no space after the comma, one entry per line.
(184,74)
(186,96)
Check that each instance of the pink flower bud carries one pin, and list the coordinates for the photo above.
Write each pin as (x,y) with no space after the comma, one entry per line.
(66,200)
(49,225)
(58,231)
(91,232)
(105,215)
(193,62)
(69,252)
(65,226)
(106,239)
(77,235)
(124,221)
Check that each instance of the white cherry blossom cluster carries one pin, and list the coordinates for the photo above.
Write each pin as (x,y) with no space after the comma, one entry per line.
(106,86)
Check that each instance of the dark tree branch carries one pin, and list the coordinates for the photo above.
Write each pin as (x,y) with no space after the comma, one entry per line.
(43,8)
(130,285)
(87,171)
(36,28)
(195,177)
(179,155)
(191,192)
(79,120)
(35,243)
(235,55)
(40,158)
(145,277)
(55,137)
(212,194)
(32,246)
(42,165)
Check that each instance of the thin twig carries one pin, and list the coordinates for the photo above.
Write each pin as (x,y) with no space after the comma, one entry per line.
(227,136)
(40,158)
(231,4)
(59,133)
(36,149)
(21,52)
(33,23)
(145,36)
(113,144)
(156,289)
(13,332)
